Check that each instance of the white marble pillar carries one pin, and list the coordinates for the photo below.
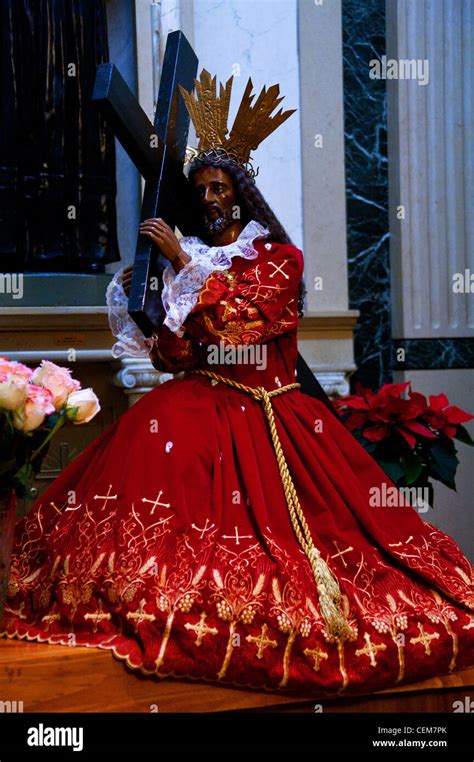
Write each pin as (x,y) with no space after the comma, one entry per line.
(154,19)
(326,331)
(147,42)
(322,139)
(431,168)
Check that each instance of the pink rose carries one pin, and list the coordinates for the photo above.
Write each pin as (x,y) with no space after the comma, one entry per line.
(58,380)
(10,368)
(38,405)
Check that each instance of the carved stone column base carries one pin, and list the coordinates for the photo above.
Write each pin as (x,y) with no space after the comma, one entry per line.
(335,385)
(137,376)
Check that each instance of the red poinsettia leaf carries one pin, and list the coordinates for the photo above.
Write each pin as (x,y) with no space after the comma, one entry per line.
(376,433)
(418,396)
(356,421)
(456,415)
(412,409)
(434,416)
(418,428)
(392,390)
(418,404)
(438,401)
(410,438)
(450,431)
(390,408)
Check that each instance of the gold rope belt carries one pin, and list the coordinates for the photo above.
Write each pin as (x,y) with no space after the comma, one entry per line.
(327,584)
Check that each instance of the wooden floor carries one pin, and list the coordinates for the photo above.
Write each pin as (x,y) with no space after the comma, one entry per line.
(61,679)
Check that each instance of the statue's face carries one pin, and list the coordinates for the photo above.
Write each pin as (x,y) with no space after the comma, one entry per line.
(217,198)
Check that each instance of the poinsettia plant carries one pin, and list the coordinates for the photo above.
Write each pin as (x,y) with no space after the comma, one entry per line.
(410,437)
(34,405)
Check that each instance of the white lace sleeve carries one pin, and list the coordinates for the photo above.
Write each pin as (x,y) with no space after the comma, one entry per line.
(181,290)
(130,340)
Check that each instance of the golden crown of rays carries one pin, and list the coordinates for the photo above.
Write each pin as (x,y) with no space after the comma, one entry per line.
(252,124)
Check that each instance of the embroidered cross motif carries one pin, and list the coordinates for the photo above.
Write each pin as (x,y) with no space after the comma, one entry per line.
(98,616)
(341,552)
(203,529)
(156,502)
(370,650)
(317,655)
(201,629)
(106,497)
(140,615)
(262,641)
(51,618)
(424,638)
(237,537)
(279,269)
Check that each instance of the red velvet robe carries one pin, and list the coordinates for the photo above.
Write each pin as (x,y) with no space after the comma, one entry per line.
(177,551)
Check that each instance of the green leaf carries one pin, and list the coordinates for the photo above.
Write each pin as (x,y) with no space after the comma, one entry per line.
(443,465)
(413,466)
(393,469)
(449,484)
(463,435)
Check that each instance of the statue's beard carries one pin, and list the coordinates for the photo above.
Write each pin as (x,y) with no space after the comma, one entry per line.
(219,224)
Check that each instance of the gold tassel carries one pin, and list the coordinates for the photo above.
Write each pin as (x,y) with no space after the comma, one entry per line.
(329,597)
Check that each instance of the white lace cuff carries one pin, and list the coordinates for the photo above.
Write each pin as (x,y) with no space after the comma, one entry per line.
(181,290)
(130,340)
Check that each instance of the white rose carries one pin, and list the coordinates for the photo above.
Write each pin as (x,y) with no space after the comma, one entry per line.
(87,405)
(13,393)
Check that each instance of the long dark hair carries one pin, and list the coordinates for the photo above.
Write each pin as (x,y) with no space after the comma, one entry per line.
(251,203)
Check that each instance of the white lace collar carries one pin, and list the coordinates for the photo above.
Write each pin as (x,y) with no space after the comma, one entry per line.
(251,232)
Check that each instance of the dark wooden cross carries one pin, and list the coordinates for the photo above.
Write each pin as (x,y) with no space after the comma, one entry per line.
(158,151)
